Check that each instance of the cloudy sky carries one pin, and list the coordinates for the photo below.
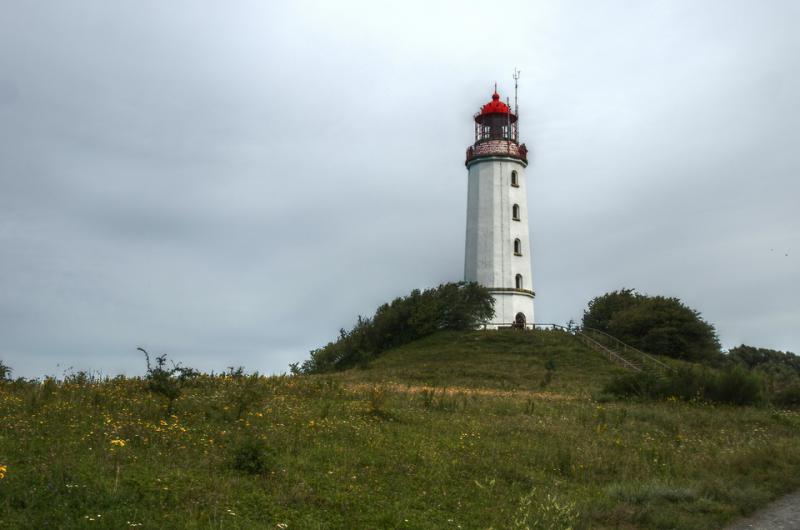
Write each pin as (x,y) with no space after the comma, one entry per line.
(232,182)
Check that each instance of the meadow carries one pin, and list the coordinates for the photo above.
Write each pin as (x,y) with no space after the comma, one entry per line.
(458,430)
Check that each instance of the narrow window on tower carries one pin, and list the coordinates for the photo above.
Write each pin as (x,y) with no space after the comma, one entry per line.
(514,179)
(517,247)
(515,212)
(519,281)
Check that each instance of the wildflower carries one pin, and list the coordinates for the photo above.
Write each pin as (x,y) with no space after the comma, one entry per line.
(118,443)
(3,471)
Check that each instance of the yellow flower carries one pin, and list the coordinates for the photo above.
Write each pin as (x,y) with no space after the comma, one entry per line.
(3,470)
(118,443)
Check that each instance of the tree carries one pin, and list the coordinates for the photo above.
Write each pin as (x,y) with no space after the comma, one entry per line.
(765,359)
(779,370)
(655,324)
(165,381)
(602,308)
(453,306)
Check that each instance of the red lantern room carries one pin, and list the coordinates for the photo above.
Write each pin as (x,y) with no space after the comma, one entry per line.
(496,132)
(495,121)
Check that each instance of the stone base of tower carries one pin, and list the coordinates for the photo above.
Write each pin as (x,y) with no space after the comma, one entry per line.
(512,308)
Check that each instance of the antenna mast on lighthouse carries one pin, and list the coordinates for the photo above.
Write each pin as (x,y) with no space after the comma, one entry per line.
(516,86)
(516,104)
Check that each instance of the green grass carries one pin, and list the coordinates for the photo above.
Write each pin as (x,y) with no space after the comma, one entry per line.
(505,360)
(453,431)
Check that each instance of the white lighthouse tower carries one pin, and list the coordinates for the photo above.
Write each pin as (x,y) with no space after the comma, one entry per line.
(498,253)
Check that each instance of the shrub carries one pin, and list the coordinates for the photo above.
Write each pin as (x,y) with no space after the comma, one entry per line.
(602,308)
(788,396)
(451,306)
(632,385)
(734,386)
(377,400)
(765,359)
(779,371)
(655,324)
(167,382)
(245,394)
(686,383)
(251,456)
(550,368)
(80,378)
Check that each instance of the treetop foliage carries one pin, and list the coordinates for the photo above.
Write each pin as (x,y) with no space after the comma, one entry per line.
(451,306)
(602,308)
(779,370)
(655,324)
(765,359)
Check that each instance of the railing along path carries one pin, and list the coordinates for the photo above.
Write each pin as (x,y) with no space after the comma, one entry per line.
(614,349)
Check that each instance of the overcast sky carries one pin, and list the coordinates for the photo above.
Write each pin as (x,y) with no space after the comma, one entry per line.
(232,182)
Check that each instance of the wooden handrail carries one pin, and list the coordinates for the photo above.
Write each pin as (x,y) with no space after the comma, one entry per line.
(613,355)
(615,352)
(646,357)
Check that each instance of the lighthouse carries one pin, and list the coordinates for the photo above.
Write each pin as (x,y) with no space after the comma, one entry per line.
(498,253)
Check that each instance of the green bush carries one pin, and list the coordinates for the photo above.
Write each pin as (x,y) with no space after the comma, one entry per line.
(734,385)
(451,306)
(655,324)
(788,396)
(167,381)
(641,385)
(246,394)
(780,372)
(377,400)
(602,308)
(765,359)
(251,456)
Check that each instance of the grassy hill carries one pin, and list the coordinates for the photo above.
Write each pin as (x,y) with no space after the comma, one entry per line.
(459,430)
(506,360)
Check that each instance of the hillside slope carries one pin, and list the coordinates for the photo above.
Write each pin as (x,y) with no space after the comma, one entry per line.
(504,360)
(454,431)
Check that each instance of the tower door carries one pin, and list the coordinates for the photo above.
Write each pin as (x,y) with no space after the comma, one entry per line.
(519,320)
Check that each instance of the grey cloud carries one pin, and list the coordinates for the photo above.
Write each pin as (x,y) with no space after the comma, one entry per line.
(231,184)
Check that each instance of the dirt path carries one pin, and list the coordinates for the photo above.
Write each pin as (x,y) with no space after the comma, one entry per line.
(454,390)
(783,514)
